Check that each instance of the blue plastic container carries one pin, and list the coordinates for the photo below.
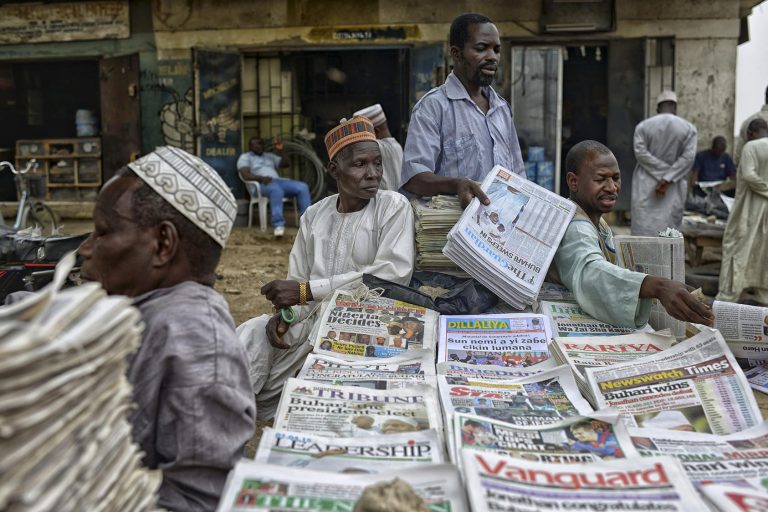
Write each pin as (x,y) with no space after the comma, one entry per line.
(536,154)
(545,175)
(531,171)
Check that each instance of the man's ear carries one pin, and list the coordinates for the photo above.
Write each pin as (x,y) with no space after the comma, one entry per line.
(168,243)
(333,170)
(455,54)
(573,182)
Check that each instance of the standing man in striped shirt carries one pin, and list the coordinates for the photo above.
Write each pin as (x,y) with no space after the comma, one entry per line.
(460,130)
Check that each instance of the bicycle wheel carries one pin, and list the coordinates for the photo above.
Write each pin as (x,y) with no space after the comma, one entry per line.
(42,215)
(309,167)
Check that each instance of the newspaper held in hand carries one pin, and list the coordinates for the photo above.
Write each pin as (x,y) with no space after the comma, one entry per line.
(568,319)
(695,385)
(497,482)
(515,339)
(349,454)
(595,351)
(739,458)
(406,369)
(660,256)
(346,411)
(732,498)
(373,327)
(580,439)
(253,486)
(493,372)
(741,322)
(509,245)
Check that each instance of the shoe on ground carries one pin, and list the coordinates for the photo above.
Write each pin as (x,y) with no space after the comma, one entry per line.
(279,231)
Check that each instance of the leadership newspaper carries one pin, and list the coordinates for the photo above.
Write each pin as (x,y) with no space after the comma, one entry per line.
(346,411)
(741,322)
(492,371)
(568,319)
(349,454)
(498,482)
(373,327)
(254,486)
(516,339)
(695,385)
(600,436)
(404,370)
(739,458)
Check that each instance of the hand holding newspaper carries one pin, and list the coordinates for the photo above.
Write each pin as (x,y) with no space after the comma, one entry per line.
(509,244)
(496,482)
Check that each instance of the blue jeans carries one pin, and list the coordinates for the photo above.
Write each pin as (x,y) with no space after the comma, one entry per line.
(279,188)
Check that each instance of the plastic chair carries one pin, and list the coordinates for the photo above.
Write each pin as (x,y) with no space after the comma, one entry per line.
(262,202)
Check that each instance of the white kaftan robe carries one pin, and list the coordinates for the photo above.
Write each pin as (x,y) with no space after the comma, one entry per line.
(331,250)
(745,242)
(392,162)
(665,147)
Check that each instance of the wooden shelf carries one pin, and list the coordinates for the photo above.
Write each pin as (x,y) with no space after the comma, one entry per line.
(83,161)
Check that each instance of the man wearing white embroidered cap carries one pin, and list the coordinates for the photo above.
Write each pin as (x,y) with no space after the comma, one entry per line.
(391,150)
(160,225)
(665,147)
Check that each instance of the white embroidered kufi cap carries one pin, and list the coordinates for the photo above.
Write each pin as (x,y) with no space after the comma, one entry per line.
(191,186)
(375,113)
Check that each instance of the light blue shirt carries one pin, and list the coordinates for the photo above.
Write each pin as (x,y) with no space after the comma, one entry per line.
(265,164)
(450,136)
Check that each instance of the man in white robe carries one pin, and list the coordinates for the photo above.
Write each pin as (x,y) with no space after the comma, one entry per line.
(745,242)
(665,147)
(359,230)
(391,150)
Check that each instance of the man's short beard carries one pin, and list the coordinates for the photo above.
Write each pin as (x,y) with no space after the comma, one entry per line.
(481,78)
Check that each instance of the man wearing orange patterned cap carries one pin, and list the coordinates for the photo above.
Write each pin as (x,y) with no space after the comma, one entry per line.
(359,230)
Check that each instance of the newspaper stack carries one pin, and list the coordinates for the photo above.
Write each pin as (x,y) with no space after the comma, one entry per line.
(509,245)
(595,351)
(745,329)
(64,435)
(433,220)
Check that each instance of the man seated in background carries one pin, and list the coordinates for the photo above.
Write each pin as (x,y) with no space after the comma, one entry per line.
(713,164)
(359,230)
(391,150)
(261,166)
(584,262)
(159,229)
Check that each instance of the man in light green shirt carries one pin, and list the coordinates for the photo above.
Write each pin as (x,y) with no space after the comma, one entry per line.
(585,260)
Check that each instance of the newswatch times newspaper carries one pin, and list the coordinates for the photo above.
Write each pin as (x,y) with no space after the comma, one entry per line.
(403,370)
(498,482)
(694,385)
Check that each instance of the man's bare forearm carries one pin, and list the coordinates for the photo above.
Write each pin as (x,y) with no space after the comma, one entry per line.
(430,184)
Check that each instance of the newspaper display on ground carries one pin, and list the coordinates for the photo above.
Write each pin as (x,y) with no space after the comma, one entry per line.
(740,457)
(541,399)
(406,369)
(493,372)
(732,498)
(497,482)
(253,486)
(568,320)
(373,327)
(694,385)
(741,322)
(600,436)
(65,436)
(349,455)
(433,220)
(555,293)
(758,378)
(346,411)
(596,351)
(508,245)
(747,354)
(515,339)
(660,256)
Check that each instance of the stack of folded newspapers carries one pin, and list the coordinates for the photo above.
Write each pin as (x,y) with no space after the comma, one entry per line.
(509,245)
(434,219)
(64,435)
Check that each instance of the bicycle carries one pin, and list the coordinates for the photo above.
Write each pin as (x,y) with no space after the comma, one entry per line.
(30,207)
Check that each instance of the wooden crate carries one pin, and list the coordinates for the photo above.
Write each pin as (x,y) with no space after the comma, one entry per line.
(71,167)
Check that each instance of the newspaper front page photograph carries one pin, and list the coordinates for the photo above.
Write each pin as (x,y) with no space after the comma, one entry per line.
(516,339)
(346,411)
(349,455)
(497,482)
(737,458)
(600,436)
(373,327)
(695,385)
(253,486)
(409,368)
